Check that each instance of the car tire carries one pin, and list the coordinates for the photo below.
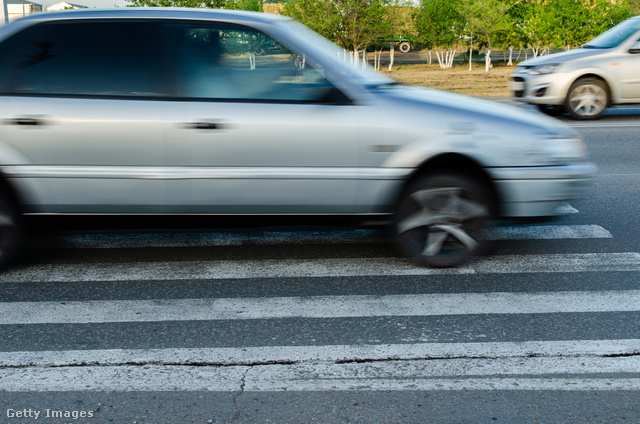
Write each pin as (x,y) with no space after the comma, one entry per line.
(587,98)
(11,228)
(405,47)
(552,110)
(441,219)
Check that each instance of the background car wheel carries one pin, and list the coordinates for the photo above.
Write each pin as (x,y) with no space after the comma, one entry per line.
(552,110)
(11,228)
(587,99)
(441,218)
(405,47)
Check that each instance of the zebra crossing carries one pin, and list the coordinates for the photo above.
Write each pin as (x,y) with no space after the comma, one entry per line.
(370,363)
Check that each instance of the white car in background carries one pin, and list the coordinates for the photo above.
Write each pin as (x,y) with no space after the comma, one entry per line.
(179,111)
(584,82)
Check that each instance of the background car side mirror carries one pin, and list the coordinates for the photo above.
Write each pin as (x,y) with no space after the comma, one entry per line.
(635,49)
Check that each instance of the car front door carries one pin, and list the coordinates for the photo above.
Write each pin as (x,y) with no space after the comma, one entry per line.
(257,128)
(629,72)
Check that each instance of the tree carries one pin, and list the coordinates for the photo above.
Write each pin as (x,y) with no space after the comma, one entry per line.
(485,18)
(353,24)
(633,7)
(561,23)
(440,25)
(513,36)
(255,5)
(534,23)
(319,15)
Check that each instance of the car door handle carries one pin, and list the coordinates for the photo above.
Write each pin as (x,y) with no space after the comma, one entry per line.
(27,122)
(203,126)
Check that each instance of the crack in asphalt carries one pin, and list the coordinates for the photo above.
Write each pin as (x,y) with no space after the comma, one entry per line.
(295,362)
(236,406)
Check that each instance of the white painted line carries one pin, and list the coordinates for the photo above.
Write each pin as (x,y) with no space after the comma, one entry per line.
(604,125)
(548,232)
(331,353)
(317,307)
(566,209)
(300,268)
(122,379)
(471,374)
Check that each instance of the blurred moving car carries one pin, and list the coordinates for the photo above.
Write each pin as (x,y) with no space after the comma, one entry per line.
(178,111)
(584,82)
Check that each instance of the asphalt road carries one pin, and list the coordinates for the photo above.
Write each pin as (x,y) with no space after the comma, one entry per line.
(327,324)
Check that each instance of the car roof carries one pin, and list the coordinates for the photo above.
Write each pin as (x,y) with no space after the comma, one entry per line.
(158,13)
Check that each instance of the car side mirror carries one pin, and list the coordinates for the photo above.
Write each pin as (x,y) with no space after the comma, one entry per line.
(635,49)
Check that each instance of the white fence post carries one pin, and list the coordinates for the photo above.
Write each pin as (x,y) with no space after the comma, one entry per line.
(4,15)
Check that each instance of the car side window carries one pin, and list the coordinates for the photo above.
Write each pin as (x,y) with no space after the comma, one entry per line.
(76,58)
(217,62)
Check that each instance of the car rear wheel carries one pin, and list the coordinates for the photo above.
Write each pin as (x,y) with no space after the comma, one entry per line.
(11,228)
(587,99)
(441,218)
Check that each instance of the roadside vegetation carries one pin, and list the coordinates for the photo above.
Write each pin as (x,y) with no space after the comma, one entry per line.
(457,79)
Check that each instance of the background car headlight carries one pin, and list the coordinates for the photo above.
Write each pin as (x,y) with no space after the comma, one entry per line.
(543,69)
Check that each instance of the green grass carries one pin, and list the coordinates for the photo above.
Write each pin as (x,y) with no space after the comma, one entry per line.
(458,79)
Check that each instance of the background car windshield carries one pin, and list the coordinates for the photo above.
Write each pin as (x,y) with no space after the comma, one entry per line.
(615,35)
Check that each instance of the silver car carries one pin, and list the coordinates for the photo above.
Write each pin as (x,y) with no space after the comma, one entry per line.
(178,111)
(584,82)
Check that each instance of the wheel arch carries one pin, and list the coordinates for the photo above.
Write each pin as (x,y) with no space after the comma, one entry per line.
(8,188)
(592,75)
(455,163)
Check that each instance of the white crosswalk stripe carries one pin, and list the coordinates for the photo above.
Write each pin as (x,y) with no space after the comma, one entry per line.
(574,374)
(292,268)
(571,365)
(317,307)
(330,353)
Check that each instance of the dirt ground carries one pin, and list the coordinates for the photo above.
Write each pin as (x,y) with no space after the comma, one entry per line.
(458,79)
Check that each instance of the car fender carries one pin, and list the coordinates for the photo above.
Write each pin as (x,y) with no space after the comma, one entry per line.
(598,73)
(415,157)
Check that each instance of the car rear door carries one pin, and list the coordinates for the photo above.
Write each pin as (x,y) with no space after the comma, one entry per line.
(86,103)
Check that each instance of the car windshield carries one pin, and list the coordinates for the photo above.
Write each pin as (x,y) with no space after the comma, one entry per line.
(340,58)
(615,35)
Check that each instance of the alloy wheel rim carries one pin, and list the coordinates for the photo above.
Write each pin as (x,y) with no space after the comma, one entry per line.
(446,220)
(588,100)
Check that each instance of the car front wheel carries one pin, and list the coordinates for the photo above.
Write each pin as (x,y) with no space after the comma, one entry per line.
(587,99)
(440,219)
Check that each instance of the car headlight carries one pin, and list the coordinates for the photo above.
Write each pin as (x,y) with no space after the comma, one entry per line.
(556,151)
(543,69)
(563,150)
